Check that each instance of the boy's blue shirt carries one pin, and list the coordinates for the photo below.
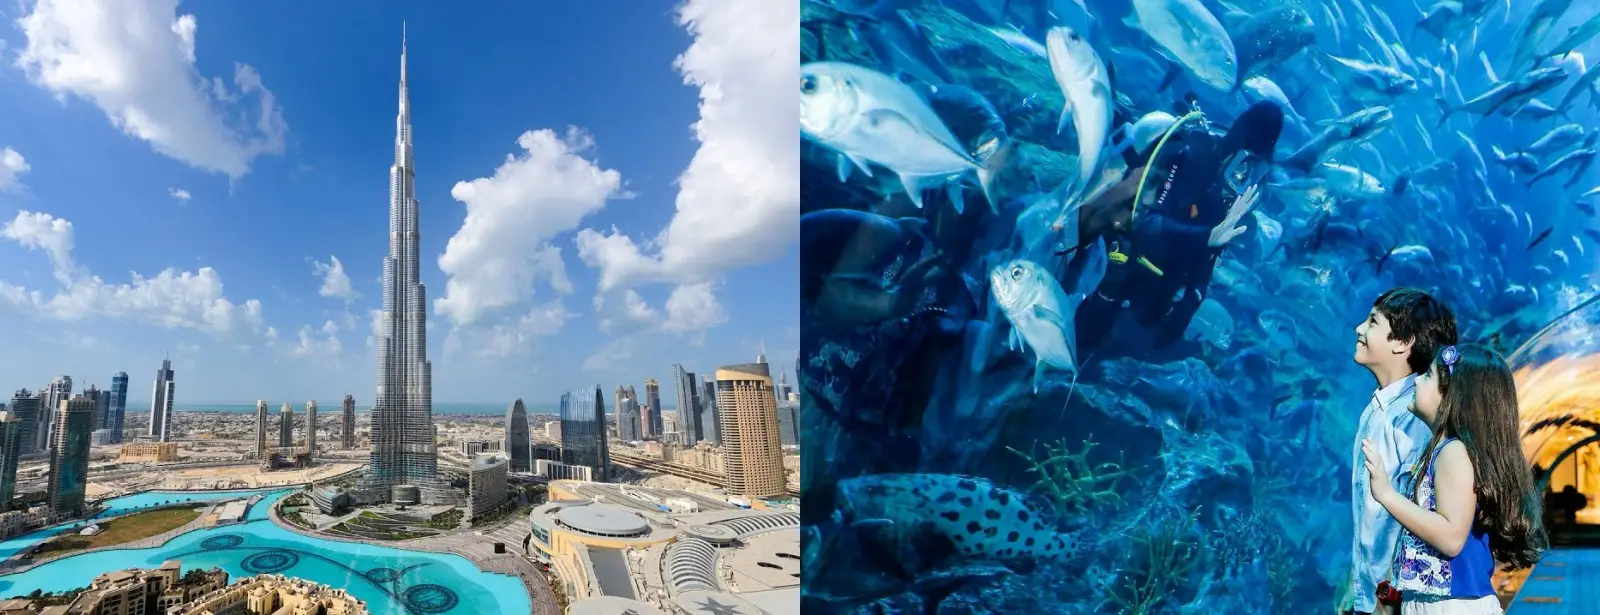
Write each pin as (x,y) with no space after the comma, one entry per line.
(1398,437)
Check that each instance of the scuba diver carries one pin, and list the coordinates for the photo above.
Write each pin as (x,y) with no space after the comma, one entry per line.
(1171,215)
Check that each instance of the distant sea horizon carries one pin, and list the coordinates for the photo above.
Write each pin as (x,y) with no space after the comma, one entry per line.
(300,406)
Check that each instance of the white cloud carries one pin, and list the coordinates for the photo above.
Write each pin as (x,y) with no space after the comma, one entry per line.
(324,345)
(335,282)
(135,60)
(503,247)
(693,309)
(614,352)
(171,299)
(12,166)
(375,321)
(513,337)
(631,310)
(739,200)
(179,193)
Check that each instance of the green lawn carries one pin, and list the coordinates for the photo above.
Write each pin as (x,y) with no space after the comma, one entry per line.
(126,529)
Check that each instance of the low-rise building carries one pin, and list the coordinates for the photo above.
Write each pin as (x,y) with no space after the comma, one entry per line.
(471,448)
(330,500)
(158,452)
(486,485)
(138,591)
(620,546)
(268,594)
(18,522)
(555,470)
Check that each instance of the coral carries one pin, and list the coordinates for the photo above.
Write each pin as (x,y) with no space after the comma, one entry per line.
(1071,481)
(1169,558)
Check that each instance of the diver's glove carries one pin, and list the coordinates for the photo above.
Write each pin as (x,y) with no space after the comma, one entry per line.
(1227,231)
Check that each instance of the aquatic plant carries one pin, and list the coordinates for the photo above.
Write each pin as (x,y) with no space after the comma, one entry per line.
(1072,482)
(1169,557)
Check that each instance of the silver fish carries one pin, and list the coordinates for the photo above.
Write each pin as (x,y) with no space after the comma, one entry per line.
(1041,313)
(868,116)
(1367,82)
(1189,35)
(1083,80)
(1558,139)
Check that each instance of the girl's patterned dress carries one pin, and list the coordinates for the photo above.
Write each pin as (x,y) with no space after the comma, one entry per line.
(1432,584)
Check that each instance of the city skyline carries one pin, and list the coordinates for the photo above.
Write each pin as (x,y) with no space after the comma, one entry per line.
(611,314)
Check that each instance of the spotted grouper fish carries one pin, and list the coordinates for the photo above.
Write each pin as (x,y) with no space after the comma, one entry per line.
(973,518)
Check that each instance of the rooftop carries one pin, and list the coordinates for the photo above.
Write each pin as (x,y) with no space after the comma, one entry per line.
(602,520)
(611,605)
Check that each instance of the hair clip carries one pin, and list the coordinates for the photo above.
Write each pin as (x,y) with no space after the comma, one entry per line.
(1450,355)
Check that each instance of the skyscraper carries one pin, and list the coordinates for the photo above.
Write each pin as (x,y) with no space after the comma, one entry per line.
(688,404)
(161,404)
(519,445)
(69,457)
(751,454)
(650,424)
(627,415)
(119,405)
(93,393)
(10,449)
(25,407)
(261,429)
(311,427)
(788,423)
(347,430)
(286,426)
(708,410)
(50,398)
(583,431)
(403,443)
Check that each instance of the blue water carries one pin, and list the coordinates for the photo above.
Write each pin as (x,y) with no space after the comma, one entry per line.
(1197,407)
(118,506)
(391,581)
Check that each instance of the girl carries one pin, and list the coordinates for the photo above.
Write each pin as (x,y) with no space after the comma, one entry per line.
(1474,502)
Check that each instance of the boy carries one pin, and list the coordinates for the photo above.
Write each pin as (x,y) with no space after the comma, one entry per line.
(1398,340)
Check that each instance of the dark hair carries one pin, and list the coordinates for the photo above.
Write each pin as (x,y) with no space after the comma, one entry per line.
(1416,317)
(1478,405)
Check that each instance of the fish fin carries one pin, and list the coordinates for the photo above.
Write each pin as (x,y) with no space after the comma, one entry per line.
(860,163)
(1051,316)
(953,190)
(914,185)
(1488,69)
(1066,116)
(1445,110)
(844,168)
(1038,373)
(1173,71)
(872,523)
(1021,566)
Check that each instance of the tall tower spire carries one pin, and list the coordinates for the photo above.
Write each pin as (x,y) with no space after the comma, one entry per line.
(403,444)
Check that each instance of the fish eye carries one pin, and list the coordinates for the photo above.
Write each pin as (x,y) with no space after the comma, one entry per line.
(808,84)
(1073,36)
(1016,273)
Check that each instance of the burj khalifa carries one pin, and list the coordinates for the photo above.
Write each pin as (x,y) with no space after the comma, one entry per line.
(403,449)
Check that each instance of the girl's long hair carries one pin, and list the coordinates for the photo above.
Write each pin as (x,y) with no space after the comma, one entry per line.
(1478,405)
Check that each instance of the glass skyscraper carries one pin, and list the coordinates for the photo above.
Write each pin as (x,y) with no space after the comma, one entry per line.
(69,458)
(708,410)
(583,431)
(286,426)
(119,406)
(404,450)
(25,407)
(161,404)
(519,446)
(688,404)
(10,449)
(651,424)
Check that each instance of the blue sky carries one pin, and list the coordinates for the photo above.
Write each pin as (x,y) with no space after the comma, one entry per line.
(607,188)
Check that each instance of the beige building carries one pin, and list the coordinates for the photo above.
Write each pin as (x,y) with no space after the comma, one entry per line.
(748,423)
(158,452)
(486,484)
(137,591)
(705,456)
(272,594)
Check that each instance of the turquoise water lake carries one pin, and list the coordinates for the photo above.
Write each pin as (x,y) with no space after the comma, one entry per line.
(391,581)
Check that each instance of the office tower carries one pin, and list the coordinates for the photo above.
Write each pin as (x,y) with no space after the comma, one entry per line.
(102,411)
(788,423)
(25,407)
(50,398)
(161,404)
(708,410)
(10,449)
(119,406)
(311,427)
(583,431)
(261,429)
(519,444)
(651,424)
(286,426)
(627,415)
(93,393)
(688,403)
(751,454)
(783,386)
(403,442)
(69,457)
(347,432)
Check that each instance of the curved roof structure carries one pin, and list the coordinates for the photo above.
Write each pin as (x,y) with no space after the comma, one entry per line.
(1558,384)
(764,523)
(602,520)
(691,565)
